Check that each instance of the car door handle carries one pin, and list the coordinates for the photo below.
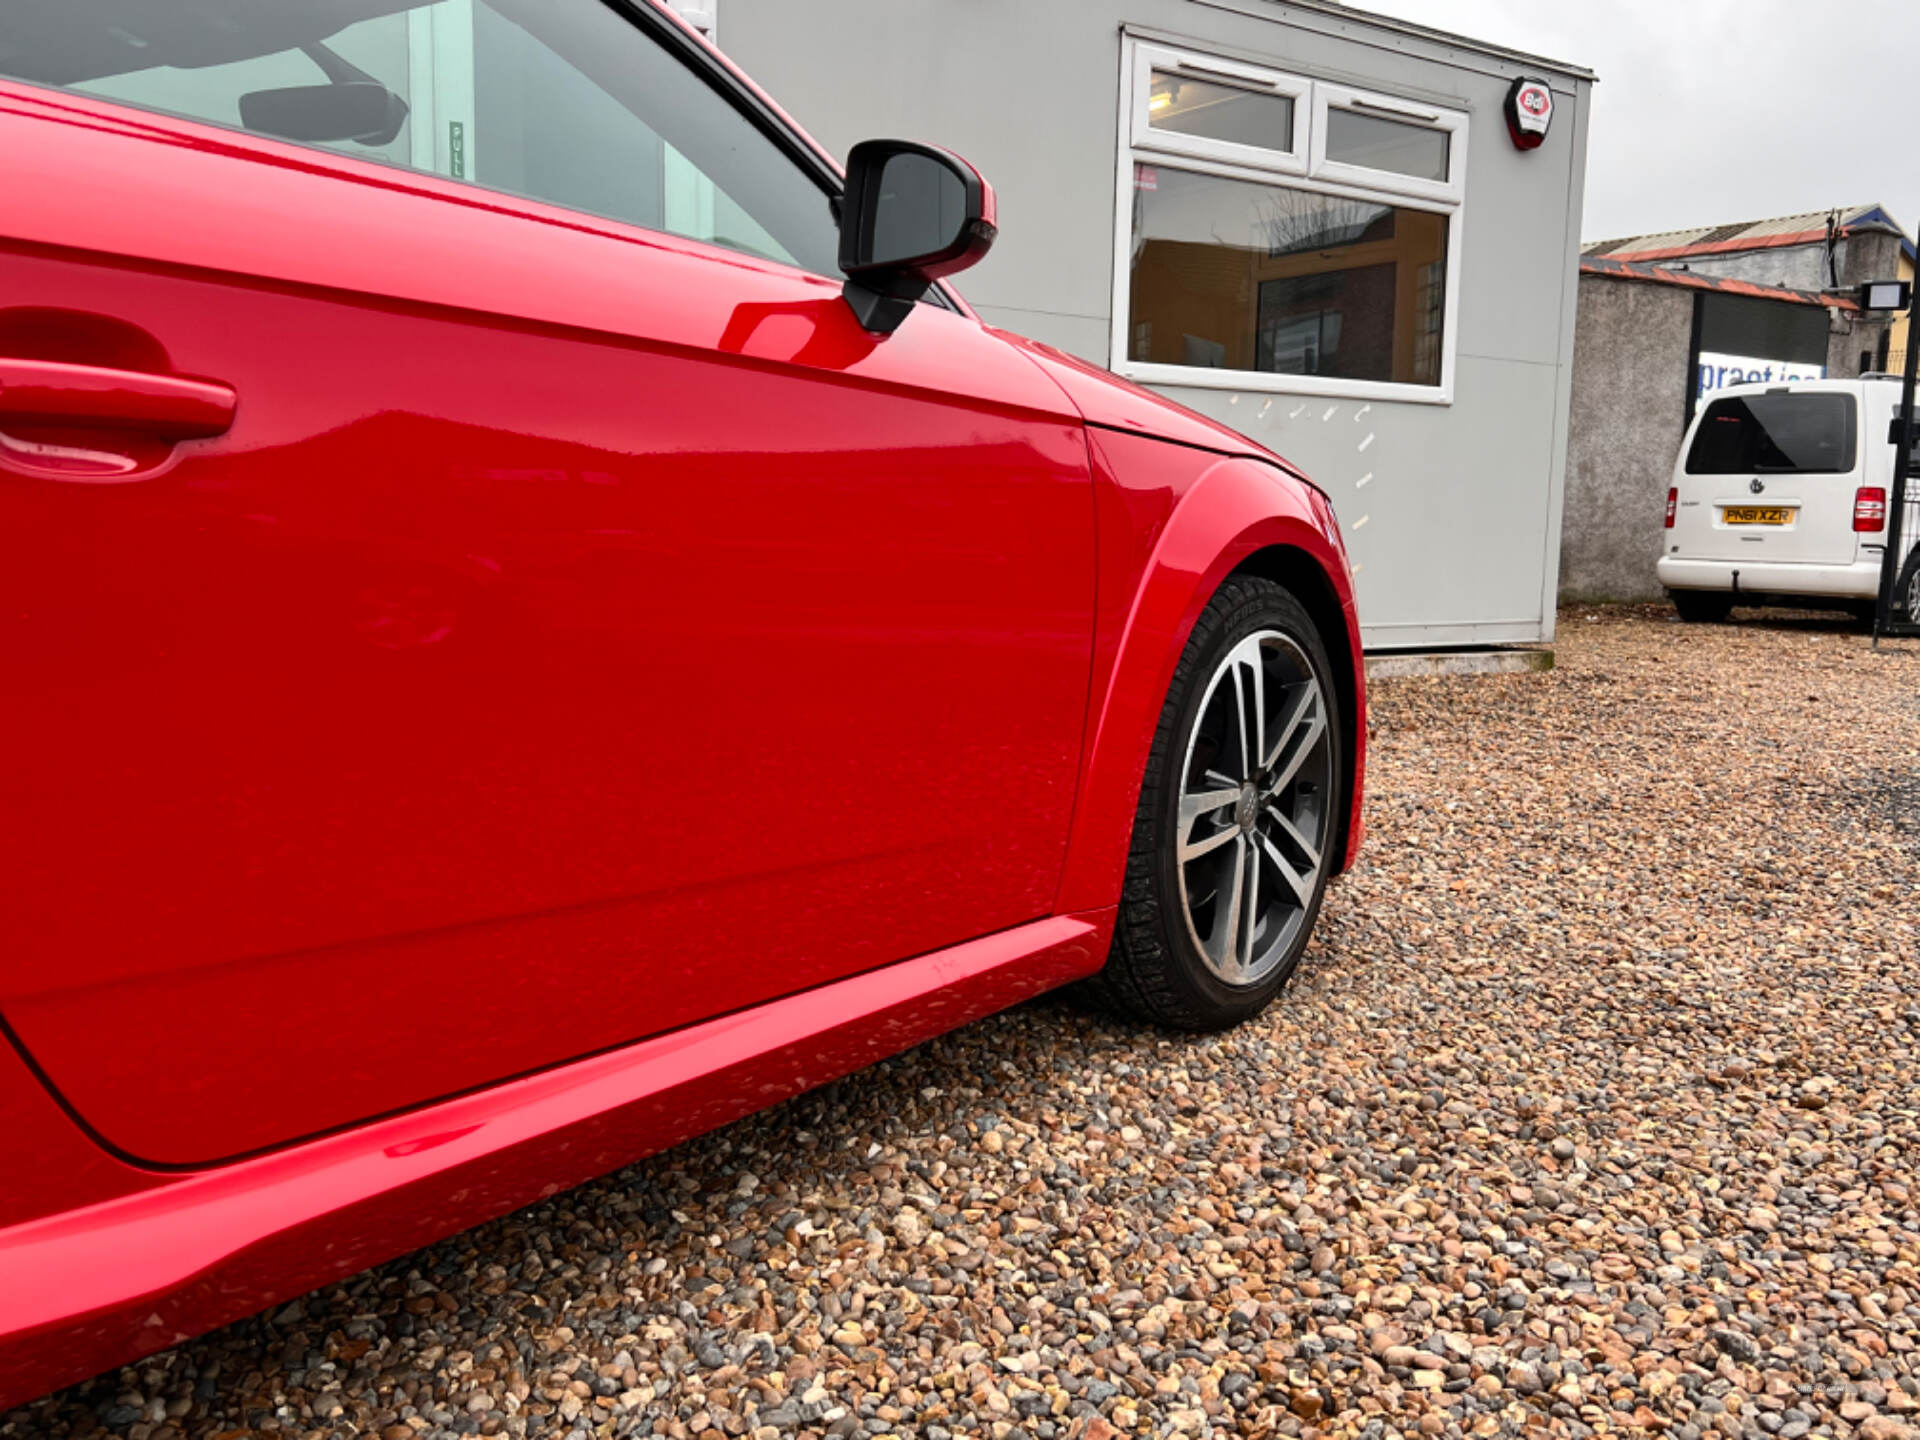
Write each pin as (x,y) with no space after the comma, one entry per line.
(165,407)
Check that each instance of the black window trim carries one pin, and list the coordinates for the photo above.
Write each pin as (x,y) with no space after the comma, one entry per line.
(694,53)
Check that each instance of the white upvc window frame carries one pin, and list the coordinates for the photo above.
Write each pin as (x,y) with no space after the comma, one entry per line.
(1386,107)
(1305,168)
(1251,78)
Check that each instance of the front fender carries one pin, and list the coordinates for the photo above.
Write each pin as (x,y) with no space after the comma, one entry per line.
(1174,524)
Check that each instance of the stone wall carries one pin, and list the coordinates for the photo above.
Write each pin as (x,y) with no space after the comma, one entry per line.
(1630,377)
(1797,267)
(1868,255)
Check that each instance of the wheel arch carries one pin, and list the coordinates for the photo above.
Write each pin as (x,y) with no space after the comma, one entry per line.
(1296,571)
(1231,514)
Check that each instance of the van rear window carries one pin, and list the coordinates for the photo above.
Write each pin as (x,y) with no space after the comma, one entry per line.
(1808,433)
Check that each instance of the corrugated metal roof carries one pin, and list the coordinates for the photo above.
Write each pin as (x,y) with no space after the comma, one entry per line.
(1807,228)
(1607,267)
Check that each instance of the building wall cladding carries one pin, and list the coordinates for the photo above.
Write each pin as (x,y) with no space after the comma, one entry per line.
(1629,395)
(1452,511)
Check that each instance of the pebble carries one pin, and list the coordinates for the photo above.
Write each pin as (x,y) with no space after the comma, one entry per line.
(1592,1110)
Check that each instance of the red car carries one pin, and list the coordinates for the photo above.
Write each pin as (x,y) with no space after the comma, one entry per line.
(535,624)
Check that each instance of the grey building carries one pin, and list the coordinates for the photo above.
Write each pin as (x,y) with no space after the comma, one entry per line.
(1312,223)
(1664,321)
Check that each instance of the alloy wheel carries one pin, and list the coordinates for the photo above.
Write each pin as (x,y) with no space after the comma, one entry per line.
(1253,808)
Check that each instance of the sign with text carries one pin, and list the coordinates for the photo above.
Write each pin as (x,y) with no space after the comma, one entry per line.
(1716,372)
(1529,111)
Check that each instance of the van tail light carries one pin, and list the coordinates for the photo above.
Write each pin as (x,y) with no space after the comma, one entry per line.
(1869,510)
(1673,501)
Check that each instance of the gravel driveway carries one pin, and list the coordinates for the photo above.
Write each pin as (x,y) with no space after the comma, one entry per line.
(1593,1109)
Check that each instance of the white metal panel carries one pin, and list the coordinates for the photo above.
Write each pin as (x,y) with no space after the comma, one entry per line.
(1444,510)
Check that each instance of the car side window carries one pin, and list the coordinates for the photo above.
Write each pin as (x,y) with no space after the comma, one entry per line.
(565,101)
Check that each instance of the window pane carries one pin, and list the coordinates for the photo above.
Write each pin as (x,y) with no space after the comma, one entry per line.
(1235,275)
(1807,434)
(564,102)
(1220,112)
(1382,144)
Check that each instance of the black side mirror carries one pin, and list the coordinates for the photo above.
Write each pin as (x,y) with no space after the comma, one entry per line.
(912,214)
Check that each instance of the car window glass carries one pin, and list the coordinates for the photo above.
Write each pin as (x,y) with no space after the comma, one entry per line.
(1806,434)
(564,101)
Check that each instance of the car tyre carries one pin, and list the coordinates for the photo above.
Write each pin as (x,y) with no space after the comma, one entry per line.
(1702,607)
(1906,590)
(1232,848)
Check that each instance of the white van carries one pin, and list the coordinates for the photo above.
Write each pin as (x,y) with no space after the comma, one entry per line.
(1780,496)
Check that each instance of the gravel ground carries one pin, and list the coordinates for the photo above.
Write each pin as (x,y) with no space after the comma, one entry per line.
(1592,1110)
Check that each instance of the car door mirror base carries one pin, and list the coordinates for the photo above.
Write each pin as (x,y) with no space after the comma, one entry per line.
(879,312)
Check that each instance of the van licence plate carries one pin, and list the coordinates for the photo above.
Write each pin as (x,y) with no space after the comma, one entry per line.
(1757,515)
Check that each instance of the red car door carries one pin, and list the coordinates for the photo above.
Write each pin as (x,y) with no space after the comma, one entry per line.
(450,630)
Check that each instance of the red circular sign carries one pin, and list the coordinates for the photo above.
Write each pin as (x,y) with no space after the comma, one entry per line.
(1529,111)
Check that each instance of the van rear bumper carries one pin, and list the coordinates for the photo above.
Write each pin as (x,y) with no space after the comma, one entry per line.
(1858,581)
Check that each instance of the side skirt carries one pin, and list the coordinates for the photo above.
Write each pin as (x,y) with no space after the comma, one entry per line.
(107,1284)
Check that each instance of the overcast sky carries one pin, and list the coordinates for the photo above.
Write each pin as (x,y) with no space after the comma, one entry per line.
(1712,111)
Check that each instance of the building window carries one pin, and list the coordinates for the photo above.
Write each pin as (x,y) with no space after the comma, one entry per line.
(1280,233)
(1188,105)
(1212,109)
(1372,141)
